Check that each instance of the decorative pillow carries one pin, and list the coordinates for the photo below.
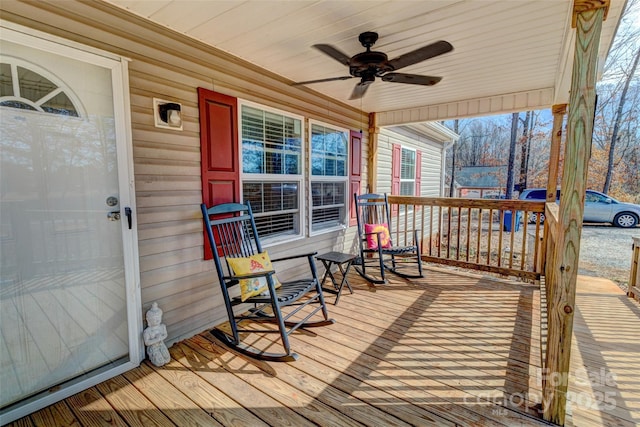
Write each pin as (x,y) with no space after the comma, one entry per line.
(372,239)
(253,264)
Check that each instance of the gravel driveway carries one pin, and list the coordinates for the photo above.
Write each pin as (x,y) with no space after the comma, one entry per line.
(605,251)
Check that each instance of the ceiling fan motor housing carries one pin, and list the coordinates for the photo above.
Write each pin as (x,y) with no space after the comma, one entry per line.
(369,62)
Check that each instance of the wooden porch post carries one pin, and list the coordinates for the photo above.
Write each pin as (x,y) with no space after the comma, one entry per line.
(372,163)
(559,110)
(588,17)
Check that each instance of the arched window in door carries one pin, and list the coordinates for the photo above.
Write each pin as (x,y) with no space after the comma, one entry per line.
(21,86)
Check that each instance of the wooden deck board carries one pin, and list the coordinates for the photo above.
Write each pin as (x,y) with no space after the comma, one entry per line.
(604,383)
(449,349)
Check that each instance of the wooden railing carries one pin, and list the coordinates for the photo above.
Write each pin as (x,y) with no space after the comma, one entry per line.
(548,265)
(634,277)
(477,234)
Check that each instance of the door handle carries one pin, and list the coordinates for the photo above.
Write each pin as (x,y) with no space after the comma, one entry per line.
(115,216)
(129,214)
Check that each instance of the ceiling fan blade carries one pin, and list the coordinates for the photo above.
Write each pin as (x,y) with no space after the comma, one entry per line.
(359,90)
(421,54)
(413,79)
(331,51)
(329,79)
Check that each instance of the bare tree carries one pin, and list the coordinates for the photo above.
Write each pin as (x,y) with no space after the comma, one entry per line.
(512,155)
(456,129)
(617,121)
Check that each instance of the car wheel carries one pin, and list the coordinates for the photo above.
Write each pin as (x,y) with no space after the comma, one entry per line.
(533,217)
(625,220)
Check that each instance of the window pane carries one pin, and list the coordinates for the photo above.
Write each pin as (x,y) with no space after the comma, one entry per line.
(328,151)
(6,82)
(277,225)
(408,164)
(268,200)
(271,143)
(60,104)
(252,193)
(252,157)
(274,162)
(327,218)
(328,204)
(406,188)
(32,85)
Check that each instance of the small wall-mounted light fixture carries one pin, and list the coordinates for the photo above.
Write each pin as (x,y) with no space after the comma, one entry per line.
(167,114)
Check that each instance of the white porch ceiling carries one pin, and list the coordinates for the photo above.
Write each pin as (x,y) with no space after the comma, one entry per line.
(508,54)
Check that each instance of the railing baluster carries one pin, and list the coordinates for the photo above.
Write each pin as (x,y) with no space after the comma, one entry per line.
(449,231)
(478,235)
(440,228)
(513,236)
(458,233)
(524,243)
(489,236)
(422,231)
(500,237)
(468,232)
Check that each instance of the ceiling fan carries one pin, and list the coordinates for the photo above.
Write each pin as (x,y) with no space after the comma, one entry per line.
(371,64)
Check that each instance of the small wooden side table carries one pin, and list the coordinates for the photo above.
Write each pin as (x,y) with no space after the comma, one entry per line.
(343,261)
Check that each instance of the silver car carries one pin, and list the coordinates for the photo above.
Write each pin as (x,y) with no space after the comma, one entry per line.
(598,207)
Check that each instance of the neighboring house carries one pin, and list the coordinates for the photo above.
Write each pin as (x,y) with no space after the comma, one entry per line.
(478,182)
(401,148)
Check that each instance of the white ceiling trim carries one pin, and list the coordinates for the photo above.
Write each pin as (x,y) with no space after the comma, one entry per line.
(508,103)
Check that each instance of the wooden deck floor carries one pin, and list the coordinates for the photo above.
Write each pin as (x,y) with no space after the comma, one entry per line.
(604,382)
(451,349)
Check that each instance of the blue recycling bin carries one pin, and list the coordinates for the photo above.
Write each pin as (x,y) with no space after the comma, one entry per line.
(506,226)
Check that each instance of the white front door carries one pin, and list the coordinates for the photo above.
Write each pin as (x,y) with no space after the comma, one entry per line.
(69,300)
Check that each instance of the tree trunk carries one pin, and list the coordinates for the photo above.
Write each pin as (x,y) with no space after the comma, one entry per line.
(522,183)
(456,124)
(512,155)
(616,124)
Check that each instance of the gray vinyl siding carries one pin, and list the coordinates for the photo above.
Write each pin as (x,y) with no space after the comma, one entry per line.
(430,166)
(430,179)
(169,66)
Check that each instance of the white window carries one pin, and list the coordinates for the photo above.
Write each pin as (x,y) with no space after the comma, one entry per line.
(328,164)
(407,172)
(272,164)
(26,89)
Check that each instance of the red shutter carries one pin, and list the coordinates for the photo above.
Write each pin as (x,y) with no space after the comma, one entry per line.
(396,157)
(418,191)
(218,151)
(355,173)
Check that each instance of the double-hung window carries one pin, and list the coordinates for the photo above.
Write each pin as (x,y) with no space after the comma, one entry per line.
(328,165)
(272,165)
(407,172)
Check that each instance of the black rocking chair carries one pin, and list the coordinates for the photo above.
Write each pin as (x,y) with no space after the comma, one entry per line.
(376,246)
(232,234)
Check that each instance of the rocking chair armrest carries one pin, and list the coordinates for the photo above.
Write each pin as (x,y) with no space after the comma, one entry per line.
(264,273)
(310,254)
(375,233)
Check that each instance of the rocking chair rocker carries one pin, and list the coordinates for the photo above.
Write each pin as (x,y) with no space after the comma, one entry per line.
(233,235)
(376,246)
